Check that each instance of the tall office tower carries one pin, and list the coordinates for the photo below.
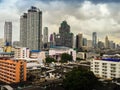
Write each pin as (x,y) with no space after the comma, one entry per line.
(106,42)
(84,41)
(45,35)
(8,33)
(34,28)
(52,39)
(94,40)
(23,30)
(65,37)
(79,41)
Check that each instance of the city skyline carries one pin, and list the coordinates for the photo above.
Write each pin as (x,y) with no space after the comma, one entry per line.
(101,16)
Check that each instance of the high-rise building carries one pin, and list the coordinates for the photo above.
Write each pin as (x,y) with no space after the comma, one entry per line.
(1,42)
(100,45)
(106,42)
(52,39)
(16,43)
(79,41)
(111,45)
(8,33)
(94,40)
(65,37)
(23,30)
(89,43)
(32,22)
(45,35)
(84,41)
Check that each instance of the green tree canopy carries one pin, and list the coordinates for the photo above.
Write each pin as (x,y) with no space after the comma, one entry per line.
(66,57)
(80,79)
(50,60)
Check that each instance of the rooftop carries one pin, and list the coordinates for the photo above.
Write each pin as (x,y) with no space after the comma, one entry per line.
(113,58)
(35,51)
(59,47)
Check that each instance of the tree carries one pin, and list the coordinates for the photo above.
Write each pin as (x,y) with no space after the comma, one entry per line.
(80,79)
(50,60)
(66,57)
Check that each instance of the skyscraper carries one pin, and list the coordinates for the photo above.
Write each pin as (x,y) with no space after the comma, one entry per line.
(79,41)
(8,33)
(23,30)
(45,35)
(65,37)
(84,41)
(52,39)
(106,42)
(94,40)
(31,22)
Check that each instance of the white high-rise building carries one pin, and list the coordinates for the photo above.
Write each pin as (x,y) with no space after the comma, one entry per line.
(45,35)
(8,33)
(107,67)
(33,28)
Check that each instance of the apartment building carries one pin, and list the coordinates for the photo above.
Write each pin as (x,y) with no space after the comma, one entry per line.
(21,52)
(12,71)
(106,67)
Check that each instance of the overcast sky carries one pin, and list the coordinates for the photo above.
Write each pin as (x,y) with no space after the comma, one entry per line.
(84,16)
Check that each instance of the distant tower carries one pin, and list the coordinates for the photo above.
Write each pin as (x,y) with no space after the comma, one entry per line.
(52,39)
(94,40)
(106,42)
(34,29)
(64,38)
(79,41)
(23,30)
(45,36)
(8,33)
(84,41)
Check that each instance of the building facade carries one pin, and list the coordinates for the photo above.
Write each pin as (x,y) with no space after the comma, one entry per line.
(31,23)
(52,39)
(56,52)
(45,35)
(84,41)
(1,42)
(100,45)
(12,71)
(64,38)
(79,41)
(21,52)
(23,30)
(8,33)
(106,42)
(94,40)
(106,67)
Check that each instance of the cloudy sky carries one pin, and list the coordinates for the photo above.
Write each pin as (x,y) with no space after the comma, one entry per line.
(84,16)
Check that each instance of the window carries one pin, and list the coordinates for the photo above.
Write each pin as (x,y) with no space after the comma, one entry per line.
(113,64)
(104,63)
